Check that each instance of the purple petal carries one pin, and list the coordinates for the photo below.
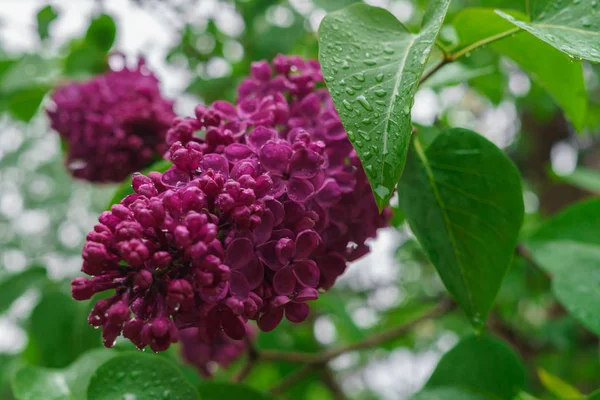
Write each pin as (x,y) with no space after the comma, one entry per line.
(225,109)
(284,281)
(245,167)
(261,70)
(214,294)
(260,135)
(174,177)
(307,273)
(263,231)
(306,243)
(329,194)
(239,253)
(331,265)
(275,157)
(270,320)
(233,325)
(279,301)
(254,273)
(217,163)
(305,163)
(236,152)
(285,250)
(299,189)
(268,255)
(279,185)
(277,209)
(296,312)
(238,285)
(306,294)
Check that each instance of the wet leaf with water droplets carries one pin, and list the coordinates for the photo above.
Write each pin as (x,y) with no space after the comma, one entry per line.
(549,67)
(226,391)
(147,377)
(385,62)
(573,28)
(463,200)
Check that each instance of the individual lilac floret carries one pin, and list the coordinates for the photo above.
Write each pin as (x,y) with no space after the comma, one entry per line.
(207,356)
(264,205)
(112,125)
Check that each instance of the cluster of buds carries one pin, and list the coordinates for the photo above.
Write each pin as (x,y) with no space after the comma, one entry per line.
(265,204)
(112,125)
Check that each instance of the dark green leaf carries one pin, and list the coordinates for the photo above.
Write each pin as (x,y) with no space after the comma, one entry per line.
(23,104)
(372,66)
(16,285)
(449,393)
(463,200)
(35,383)
(44,18)
(481,363)
(594,396)
(558,387)
(84,61)
(56,321)
(101,33)
(540,60)
(126,189)
(139,376)
(572,26)
(225,391)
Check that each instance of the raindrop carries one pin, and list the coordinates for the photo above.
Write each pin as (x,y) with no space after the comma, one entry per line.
(586,22)
(350,91)
(406,109)
(347,105)
(370,63)
(382,191)
(359,77)
(364,103)
(388,51)
(380,93)
(379,77)
(345,64)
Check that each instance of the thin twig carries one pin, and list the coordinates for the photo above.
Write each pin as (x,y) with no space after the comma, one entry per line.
(329,380)
(372,341)
(294,378)
(436,68)
(253,358)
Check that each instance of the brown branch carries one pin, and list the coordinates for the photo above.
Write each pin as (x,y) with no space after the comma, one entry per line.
(294,378)
(334,387)
(372,341)
(253,358)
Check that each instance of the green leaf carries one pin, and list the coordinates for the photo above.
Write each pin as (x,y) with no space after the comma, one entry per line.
(571,26)
(481,363)
(135,375)
(34,383)
(463,200)
(372,66)
(557,386)
(126,189)
(456,73)
(594,396)
(449,393)
(56,320)
(23,104)
(225,391)
(332,5)
(83,61)
(576,288)
(101,33)
(15,285)
(44,18)
(551,69)
(583,178)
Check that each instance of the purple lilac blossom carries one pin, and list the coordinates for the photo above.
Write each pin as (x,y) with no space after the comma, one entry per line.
(255,216)
(112,125)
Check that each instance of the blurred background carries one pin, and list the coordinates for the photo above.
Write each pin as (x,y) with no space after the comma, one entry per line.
(200,49)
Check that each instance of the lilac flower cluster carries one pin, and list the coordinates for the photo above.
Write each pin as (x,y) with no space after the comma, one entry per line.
(113,125)
(264,205)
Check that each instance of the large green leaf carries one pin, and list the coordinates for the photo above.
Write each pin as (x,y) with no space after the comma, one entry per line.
(35,383)
(56,321)
(567,247)
(558,387)
(101,33)
(15,285)
(372,66)
(463,200)
(572,26)
(139,376)
(450,393)
(481,363)
(225,391)
(550,68)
